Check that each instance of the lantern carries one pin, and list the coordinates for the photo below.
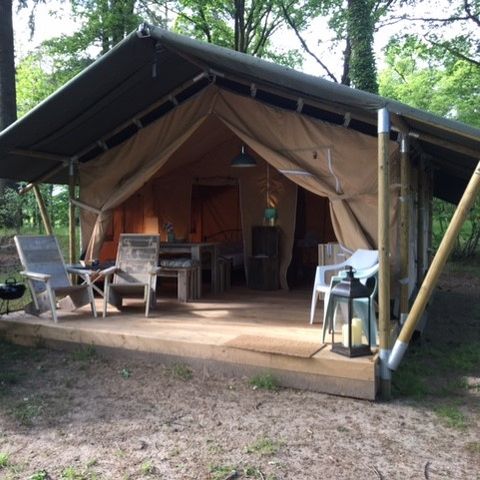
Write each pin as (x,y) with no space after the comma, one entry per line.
(341,309)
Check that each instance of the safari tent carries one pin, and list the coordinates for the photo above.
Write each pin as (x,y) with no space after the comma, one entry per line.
(149,130)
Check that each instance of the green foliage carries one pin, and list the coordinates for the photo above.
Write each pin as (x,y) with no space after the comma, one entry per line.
(4,460)
(264,381)
(148,468)
(430,79)
(468,240)
(40,475)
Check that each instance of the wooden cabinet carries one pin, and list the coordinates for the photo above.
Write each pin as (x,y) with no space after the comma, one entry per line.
(263,265)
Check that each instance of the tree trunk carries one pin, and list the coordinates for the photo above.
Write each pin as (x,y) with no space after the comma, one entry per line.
(8,101)
(360,28)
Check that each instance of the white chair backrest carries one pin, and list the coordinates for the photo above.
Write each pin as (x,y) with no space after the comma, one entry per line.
(363,259)
(41,254)
(137,255)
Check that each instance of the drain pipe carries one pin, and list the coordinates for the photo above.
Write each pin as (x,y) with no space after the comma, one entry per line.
(438,263)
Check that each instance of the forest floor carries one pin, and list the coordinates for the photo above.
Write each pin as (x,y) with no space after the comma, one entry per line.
(80,415)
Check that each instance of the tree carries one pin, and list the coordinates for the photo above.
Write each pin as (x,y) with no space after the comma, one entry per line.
(460,16)
(245,25)
(8,109)
(432,80)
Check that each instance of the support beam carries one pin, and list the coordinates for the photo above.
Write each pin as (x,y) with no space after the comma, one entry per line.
(433,274)
(421,221)
(71,215)
(43,210)
(384,249)
(405,202)
(41,179)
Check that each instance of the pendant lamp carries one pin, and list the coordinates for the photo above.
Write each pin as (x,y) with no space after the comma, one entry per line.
(243,160)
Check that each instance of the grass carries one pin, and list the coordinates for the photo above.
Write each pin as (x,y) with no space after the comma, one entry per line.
(473,447)
(221,472)
(39,475)
(264,446)
(438,370)
(264,381)
(452,416)
(4,460)
(181,371)
(148,468)
(84,354)
(27,410)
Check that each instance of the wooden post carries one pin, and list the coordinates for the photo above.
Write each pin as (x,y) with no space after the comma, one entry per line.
(421,214)
(43,210)
(384,249)
(71,214)
(405,202)
(431,278)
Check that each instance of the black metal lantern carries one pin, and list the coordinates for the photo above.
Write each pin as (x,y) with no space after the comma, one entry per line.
(341,307)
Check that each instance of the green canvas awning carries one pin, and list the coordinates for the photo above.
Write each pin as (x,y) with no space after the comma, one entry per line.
(153,70)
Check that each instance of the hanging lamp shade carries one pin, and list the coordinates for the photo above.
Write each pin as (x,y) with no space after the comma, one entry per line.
(243,160)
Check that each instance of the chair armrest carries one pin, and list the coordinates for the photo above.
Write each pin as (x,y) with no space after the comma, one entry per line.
(40,277)
(82,272)
(323,269)
(108,271)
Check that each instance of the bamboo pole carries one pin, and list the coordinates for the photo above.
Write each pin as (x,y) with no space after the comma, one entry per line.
(43,210)
(438,263)
(405,202)
(384,249)
(71,214)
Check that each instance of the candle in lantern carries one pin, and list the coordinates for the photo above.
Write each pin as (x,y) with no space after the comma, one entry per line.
(356,333)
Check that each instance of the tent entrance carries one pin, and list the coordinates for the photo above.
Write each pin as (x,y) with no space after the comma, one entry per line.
(313,225)
(216,217)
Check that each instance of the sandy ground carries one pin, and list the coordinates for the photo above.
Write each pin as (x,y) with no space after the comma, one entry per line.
(79,415)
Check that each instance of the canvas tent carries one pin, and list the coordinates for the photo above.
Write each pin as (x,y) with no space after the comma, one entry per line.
(122,120)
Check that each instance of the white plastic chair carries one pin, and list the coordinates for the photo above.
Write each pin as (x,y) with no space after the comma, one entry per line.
(360,260)
(360,305)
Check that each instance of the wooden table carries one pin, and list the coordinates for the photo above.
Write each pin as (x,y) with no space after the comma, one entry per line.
(196,251)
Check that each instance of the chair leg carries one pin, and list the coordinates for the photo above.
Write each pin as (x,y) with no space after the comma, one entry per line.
(106,296)
(148,292)
(92,301)
(53,306)
(314,305)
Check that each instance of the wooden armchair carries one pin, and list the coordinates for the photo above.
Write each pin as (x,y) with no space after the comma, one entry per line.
(47,278)
(135,272)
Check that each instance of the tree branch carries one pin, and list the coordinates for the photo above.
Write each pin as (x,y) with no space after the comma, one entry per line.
(304,44)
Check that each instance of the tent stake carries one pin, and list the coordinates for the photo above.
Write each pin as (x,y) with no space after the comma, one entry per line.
(405,202)
(43,210)
(438,263)
(384,250)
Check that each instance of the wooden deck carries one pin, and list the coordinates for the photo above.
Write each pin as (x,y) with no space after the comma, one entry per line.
(196,333)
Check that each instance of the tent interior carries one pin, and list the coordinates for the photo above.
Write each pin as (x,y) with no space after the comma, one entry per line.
(205,199)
